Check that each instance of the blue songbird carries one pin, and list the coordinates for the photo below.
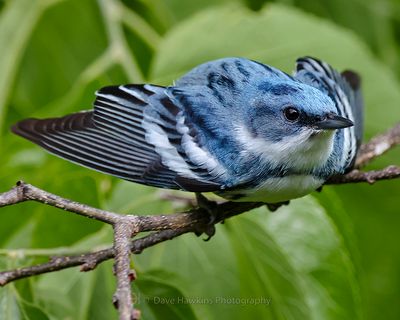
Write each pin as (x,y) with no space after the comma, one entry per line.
(235,127)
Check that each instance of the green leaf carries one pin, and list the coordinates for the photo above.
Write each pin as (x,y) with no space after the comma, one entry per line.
(317,250)
(265,273)
(99,297)
(70,52)
(292,264)
(374,21)
(181,10)
(17,21)
(128,197)
(31,312)
(157,294)
(8,304)
(14,307)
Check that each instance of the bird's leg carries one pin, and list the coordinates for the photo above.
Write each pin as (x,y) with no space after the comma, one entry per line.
(275,206)
(208,205)
(211,208)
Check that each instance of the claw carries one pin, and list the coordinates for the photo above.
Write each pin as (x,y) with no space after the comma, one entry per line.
(275,206)
(211,208)
(209,231)
(207,205)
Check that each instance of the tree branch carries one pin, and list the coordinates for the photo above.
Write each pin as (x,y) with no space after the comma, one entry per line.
(355,176)
(24,192)
(123,231)
(164,227)
(378,146)
(89,261)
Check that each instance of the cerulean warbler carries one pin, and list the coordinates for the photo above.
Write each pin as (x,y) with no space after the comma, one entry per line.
(236,127)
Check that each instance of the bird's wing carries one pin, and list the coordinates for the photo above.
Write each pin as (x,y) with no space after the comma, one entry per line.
(344,89)
(135,132)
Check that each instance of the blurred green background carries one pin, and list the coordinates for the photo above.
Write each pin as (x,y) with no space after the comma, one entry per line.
(333,255)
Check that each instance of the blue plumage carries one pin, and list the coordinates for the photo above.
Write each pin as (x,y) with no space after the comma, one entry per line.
(233,126)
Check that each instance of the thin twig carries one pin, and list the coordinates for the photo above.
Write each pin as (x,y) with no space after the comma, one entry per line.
(24,192)
(390,172)
(13,196)
(89,261)
(378,146)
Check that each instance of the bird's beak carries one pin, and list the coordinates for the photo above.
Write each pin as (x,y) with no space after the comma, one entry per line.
(332,121)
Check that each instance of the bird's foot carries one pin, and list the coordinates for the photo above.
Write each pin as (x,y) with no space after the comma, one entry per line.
(275,206)
(211,208)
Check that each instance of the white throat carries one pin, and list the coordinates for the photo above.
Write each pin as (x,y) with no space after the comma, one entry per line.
(300,152)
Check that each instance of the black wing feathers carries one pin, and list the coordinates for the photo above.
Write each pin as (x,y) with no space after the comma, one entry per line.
(111,139)
(103,140)
(76,138)
(353,91)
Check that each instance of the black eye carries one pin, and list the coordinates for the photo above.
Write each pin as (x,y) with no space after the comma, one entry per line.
(291,114)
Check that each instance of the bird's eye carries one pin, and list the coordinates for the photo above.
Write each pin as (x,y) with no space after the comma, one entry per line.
(291,114)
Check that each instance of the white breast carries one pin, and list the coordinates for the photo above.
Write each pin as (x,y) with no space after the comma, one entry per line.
(279,189)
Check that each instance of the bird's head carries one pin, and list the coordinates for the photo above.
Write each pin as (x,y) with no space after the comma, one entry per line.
(292,122)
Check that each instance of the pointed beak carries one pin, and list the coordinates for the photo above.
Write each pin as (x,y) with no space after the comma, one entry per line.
(332,121)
